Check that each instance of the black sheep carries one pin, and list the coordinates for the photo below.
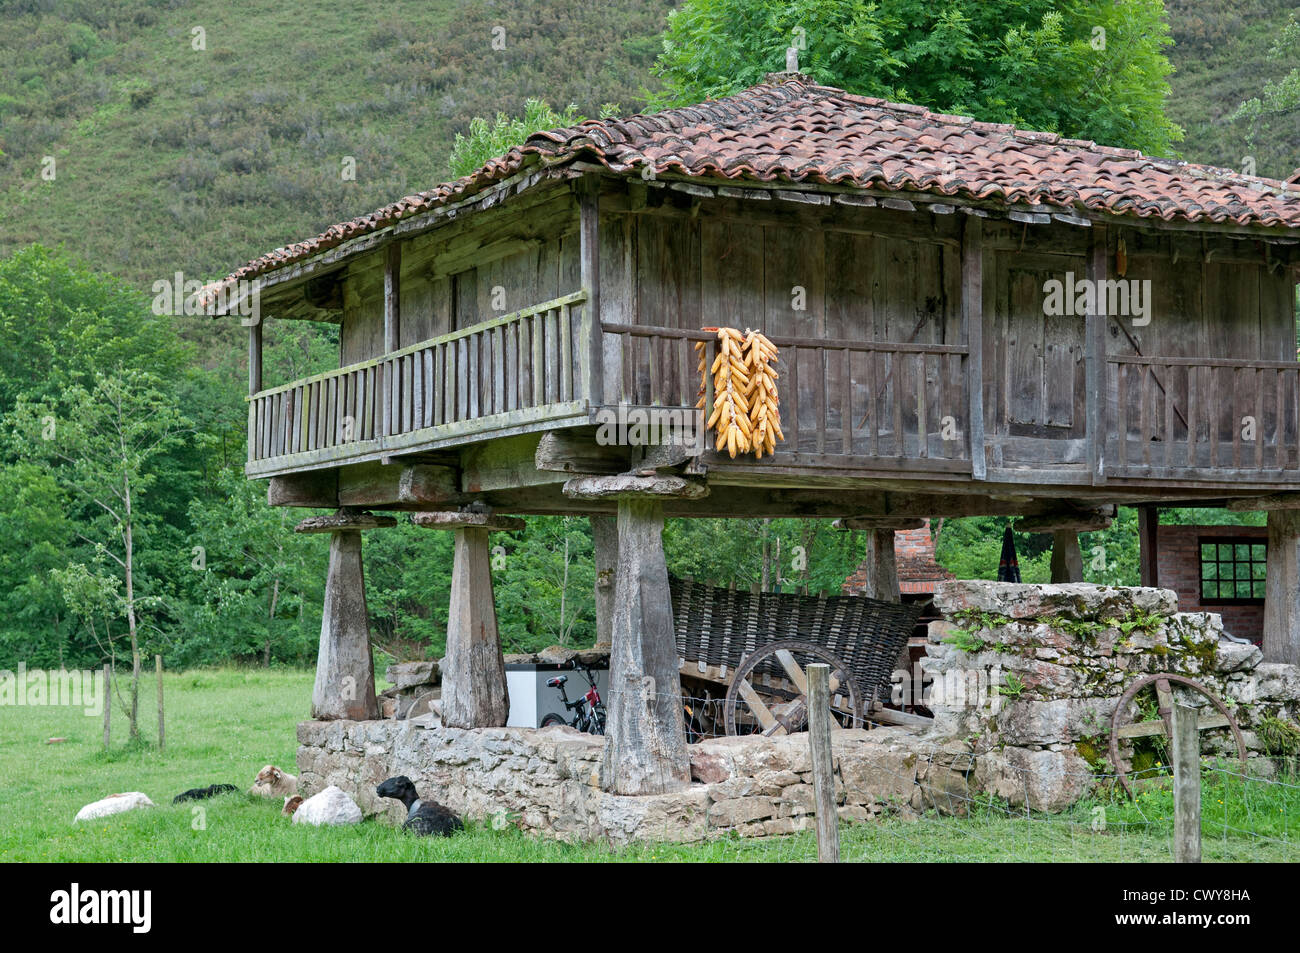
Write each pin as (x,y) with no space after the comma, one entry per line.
(422,817)
(202,794)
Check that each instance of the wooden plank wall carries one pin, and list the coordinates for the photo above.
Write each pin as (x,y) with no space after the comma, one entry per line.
(728,265)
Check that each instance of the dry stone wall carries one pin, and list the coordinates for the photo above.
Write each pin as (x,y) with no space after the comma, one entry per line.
(546,780)
(1030,676)
(1022,679)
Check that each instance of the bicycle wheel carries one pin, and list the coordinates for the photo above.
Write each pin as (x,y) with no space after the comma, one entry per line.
(552,720)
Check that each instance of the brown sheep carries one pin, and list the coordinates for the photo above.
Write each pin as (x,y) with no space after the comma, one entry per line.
(272,782)
(291,805)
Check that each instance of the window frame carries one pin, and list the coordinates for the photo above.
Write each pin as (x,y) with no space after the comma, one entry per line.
(1234,541)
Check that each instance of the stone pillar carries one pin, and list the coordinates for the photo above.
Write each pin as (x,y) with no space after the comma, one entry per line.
(604,537)
(645,741)
(1282,588)
(1067,559)
(474,691)
(345,667)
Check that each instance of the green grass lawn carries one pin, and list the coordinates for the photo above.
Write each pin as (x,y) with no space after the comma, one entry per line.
(223,725)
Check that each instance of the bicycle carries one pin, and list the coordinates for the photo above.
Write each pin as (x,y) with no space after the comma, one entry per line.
(588,711)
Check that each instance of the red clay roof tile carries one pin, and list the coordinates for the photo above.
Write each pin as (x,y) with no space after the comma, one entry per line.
(800,132)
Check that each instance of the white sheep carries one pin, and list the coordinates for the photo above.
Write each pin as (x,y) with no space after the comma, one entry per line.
(113,804)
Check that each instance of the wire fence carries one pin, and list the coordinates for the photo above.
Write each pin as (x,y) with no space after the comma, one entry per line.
(981,806)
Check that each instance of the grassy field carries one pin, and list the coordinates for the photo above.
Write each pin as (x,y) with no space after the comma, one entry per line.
(224,725)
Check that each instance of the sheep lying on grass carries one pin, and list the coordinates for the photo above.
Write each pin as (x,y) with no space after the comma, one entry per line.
(113,804)
(422,817)
(291,805)
(202,794)
(272,782)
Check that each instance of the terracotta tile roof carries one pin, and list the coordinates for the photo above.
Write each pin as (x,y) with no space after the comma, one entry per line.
(800,132)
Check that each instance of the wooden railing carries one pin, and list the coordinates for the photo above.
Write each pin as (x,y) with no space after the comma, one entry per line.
(1203,419)
(511,369)
(885,403)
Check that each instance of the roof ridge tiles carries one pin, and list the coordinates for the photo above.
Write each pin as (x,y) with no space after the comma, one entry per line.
(800,131)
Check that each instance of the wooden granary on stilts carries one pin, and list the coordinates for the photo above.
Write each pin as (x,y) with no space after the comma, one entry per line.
(972,319)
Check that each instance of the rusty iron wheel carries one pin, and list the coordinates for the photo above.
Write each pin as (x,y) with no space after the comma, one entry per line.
(1164,695)
(779,713)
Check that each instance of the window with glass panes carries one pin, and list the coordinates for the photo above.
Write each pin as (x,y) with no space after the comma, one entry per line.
(1232,570)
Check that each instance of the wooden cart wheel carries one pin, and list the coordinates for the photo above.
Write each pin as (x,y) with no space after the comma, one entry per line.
(1164,724)
(780,705)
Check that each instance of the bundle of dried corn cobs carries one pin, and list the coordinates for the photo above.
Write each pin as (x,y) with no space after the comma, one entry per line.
(746,406)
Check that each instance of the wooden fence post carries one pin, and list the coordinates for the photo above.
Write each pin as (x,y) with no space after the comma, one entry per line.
(819,735)
(157,667)
(1187,785)
(108,703)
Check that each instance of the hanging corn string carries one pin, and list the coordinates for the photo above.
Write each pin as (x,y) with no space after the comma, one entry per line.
(730,383)
(746,408)
(764,402)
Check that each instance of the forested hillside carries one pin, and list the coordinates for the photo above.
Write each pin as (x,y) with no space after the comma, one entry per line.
(139,139)
(168,157)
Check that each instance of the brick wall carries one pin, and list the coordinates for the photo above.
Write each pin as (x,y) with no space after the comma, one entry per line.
(1179,569)
(914,557)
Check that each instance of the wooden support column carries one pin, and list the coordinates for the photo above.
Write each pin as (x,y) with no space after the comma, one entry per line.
(345,667)
(1067,559)
(393,297)
(881,566)
(591,343)
(1149,545)
(1282,588)
(1095,375)
(254,358)
(474,691)
(972,316)
(645,742)
(604,536)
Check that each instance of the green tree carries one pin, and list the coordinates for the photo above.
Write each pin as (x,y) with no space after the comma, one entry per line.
(1092,69)
(488,139)
(36,536)
(60,323)
(104,442)
(1281,100)
(260,586)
